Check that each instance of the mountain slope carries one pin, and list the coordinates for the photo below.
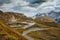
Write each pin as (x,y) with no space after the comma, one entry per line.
(40,28)
(45,20)
(12,16)
(10,31)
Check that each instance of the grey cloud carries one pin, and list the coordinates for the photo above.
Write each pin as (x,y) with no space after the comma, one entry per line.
(38,1)
(4,1)
(17,8)
(27,6)
(34,3)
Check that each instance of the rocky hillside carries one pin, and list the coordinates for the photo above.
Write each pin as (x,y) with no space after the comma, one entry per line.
(40,28)
(12,16)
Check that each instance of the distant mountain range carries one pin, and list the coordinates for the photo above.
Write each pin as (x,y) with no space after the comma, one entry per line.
(54,15)
(40,14)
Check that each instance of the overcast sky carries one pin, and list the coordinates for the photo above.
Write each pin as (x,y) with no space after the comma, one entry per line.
(30,7)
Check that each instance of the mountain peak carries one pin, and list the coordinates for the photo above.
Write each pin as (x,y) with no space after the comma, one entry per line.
(45,19)
(39,14)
